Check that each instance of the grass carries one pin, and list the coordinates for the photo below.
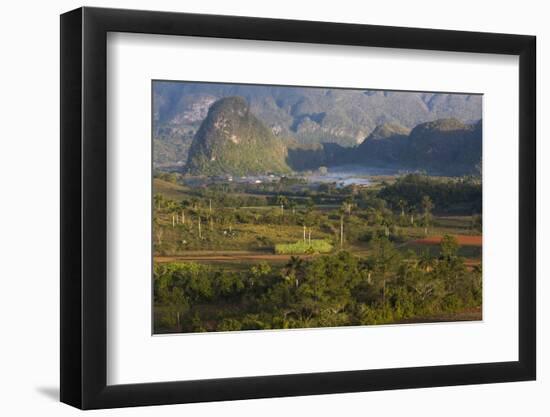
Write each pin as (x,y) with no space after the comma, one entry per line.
(170,190)
(301,247)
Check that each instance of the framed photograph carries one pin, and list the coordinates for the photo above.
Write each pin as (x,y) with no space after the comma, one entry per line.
(258,208)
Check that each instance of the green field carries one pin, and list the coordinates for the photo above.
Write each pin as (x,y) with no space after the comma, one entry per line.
(303,247)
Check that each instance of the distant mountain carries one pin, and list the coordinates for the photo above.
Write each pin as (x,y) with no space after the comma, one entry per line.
(446,145)
(308,115)
(385,145)
(231,140)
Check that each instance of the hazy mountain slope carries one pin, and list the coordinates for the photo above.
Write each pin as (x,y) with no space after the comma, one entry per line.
(310,115)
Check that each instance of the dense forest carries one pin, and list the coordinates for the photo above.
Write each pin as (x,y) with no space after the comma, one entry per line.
(333,290)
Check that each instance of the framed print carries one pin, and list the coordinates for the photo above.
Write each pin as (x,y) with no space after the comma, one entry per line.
(257,208)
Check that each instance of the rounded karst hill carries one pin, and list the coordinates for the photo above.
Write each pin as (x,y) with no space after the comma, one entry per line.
(231,140)
(383,146)
(444,144)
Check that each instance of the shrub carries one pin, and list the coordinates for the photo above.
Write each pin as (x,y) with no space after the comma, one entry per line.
(228,325)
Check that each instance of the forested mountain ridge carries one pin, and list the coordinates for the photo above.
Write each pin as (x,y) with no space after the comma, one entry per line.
(308,115)
(446,145)
(232,141)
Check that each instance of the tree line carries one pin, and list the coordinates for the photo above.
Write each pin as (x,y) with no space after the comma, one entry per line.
(341,289)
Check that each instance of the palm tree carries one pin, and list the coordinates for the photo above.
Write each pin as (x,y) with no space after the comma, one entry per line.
(195,203)
(368,266)
(411,214)
(348,205)
(342,212)
(292,206)
(200,230)
(387,223)
(402,204)
(427,205)
(294,269)
(282,201)
(158,199)
(310,220)
(158,231)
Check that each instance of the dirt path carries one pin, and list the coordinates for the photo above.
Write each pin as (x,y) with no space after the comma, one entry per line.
(247,256)
(227,257)
(463,240)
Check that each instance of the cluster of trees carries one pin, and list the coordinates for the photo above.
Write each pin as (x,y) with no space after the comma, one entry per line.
(461,195)
(172,177)
(333,290)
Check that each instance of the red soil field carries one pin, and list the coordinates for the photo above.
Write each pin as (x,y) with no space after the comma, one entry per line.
(463,240)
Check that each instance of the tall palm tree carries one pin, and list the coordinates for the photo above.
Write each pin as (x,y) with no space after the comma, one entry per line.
(158,231)
(282,201)
(402,204)
(348,205)
(158,198)
(411,214)
(294,269)
(342,212)
(292,206)
(427,206)
(387,223)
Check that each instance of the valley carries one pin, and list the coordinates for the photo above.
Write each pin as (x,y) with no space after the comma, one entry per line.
(282,207)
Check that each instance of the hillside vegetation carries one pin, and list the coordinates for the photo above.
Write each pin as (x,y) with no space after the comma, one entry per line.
(231,140)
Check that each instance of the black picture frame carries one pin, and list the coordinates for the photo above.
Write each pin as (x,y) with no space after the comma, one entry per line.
(84,207)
